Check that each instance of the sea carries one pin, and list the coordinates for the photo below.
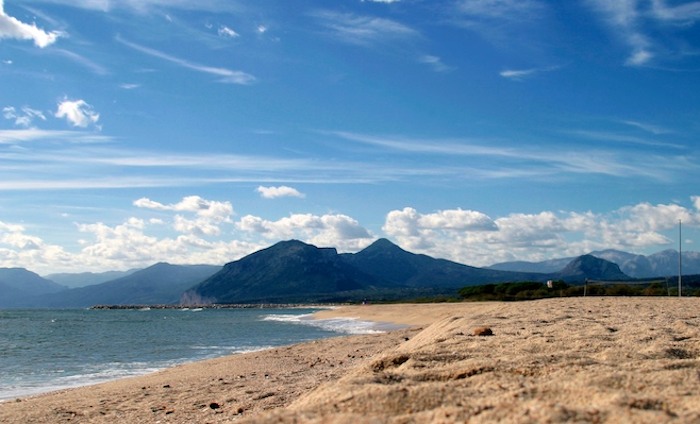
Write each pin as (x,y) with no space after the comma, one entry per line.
(43,350)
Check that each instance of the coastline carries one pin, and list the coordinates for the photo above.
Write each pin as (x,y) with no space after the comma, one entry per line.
(569,359)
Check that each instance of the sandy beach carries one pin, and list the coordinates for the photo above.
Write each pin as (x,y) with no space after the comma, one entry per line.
(586,360)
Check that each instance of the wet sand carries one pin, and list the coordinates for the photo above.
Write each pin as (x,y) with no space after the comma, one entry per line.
(558,360)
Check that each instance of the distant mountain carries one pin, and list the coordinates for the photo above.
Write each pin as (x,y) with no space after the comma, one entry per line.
(661,264)
(590,267)
(17,284)
(83,279)
(293,271)
(161,283)
(545,267)
(665,263)
(636,266)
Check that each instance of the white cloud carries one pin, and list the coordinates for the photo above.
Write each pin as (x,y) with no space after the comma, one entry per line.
(35,135)
(129,86)
(78,113)
(19,249)
(332,230)
(642,26)
(472,238)
(510,160)
(23,117)
(209,214)
(83,61)
(226,75)
(11,27)
(520,74)
(686,13)
(500,9)
(146,6)
(281,191)
(517,74)
(650,128)
(436,63)
(363,30)
(227,32)
(422,231)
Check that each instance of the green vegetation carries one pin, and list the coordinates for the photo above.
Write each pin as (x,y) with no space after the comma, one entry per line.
(531,290)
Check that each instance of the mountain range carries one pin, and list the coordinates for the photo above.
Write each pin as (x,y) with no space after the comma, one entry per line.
(296,272)
(293,271)
(158,284)
(661,264)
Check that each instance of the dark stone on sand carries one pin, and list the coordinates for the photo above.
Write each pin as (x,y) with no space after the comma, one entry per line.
(483,331)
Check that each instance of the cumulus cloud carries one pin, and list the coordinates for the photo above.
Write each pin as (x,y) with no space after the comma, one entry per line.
(335,230)
(24,117)
(209,214)
(78,113)
(473,238)
(281,191)
(202,231)
(19,249)
(11,27)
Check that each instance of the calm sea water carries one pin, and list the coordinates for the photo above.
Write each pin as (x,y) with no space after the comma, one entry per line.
(44,350)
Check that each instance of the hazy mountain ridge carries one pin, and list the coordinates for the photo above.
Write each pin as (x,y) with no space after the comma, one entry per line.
(18,283)
(161,283)
(83,279)
(660,264)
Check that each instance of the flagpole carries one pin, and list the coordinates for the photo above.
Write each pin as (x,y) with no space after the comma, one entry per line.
(680,258)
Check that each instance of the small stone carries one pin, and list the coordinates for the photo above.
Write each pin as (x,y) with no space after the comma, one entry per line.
(483,331)
(214,405)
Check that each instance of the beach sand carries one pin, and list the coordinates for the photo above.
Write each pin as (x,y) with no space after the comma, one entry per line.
(588,360)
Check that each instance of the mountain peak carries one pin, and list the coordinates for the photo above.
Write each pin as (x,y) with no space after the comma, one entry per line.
(589,266)
(382,244)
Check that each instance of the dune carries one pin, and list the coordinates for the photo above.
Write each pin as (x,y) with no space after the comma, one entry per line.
(588,360)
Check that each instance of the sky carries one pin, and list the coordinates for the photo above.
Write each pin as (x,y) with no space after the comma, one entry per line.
(480,131)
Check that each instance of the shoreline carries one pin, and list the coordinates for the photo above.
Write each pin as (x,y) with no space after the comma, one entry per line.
(336,328)
(586,360)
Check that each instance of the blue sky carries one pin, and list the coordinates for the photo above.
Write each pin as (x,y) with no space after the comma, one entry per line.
(481,131)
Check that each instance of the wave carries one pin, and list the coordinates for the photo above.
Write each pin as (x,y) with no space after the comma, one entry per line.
(91,375)
(336,325)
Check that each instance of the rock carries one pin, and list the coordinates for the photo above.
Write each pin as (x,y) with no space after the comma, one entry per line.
(482,331)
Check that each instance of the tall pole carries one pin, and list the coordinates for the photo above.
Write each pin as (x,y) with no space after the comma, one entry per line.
(680,258)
